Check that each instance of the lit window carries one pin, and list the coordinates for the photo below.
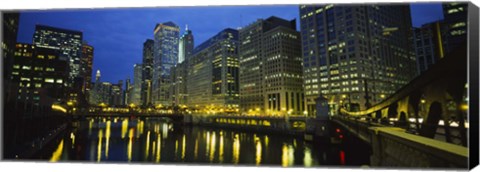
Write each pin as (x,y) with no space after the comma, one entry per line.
(16,66)
(26,67)
(49,80)
(24,79)
(14,73)
(38,85)
(48,69)
(38,68)
(41,56)
(59,81)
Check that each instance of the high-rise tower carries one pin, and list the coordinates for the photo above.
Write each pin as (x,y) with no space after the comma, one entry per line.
(165,56)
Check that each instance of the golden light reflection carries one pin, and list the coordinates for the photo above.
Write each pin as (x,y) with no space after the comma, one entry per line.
(196,149)
(284,155)
(140,127)
(212,147)
(258,152)
(130,142)
(266,140)
(99,145)
(183,146)
(176,149)
(307,158)
(107,137)
(207,145)
(147,145)
(90,126)
(221,145)
(124,127)
(157,157)
(164,131)
(72,136)
(58,153)
(236,149)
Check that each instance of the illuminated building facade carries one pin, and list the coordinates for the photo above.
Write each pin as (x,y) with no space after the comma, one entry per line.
(179,72)
(68,43)
(270,68)
(165,56)
(40,75)
(212,81)
(137,85)
(87,63)
(9,39)
(185,46)
(147,72)
(355,56)
(455,17)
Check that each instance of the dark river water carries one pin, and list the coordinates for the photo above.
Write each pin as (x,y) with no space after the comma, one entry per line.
(156,140)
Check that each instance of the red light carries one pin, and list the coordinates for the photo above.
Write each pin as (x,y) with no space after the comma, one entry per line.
(340,136)
(342,157)
(338,130)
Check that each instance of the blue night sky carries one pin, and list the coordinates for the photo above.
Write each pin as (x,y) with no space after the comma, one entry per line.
(118,34)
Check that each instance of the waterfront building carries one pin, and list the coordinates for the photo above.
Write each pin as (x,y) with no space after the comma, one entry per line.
(68,44)
(147,72)
(270,68)
(179,72)
(39,76)
(212,80)
(165,56)
(435,40)
(355,55)
(9,35)
(455,19)
(137,85)
(86,65)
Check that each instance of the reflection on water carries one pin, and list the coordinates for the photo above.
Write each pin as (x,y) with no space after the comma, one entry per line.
(156,140)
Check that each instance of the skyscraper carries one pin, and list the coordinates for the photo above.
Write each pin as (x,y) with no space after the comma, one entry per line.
(40,76)
(435,40)
(270,68)
(429,47)
(355,56)
(185,46)
(179,72)
(9,29)
(68,43)
(165,56)
(147,72)
(87,63)
(212,80)
(455,17)
(137,84)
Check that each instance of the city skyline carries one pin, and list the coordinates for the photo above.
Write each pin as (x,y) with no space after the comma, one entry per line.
(132,36)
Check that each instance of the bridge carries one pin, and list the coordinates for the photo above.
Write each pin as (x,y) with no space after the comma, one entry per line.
(423,124)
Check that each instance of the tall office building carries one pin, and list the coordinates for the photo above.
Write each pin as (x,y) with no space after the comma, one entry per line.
(147,72)
(68,43)
(9,39)
(271,68)
(212,80)
(87,63)
(165,56)
(355,56)
(137,84)
(127,93)
(40,76)
(429,47)
(185,45)
(455,17)
(116,94)
(435,40)
(179,72)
